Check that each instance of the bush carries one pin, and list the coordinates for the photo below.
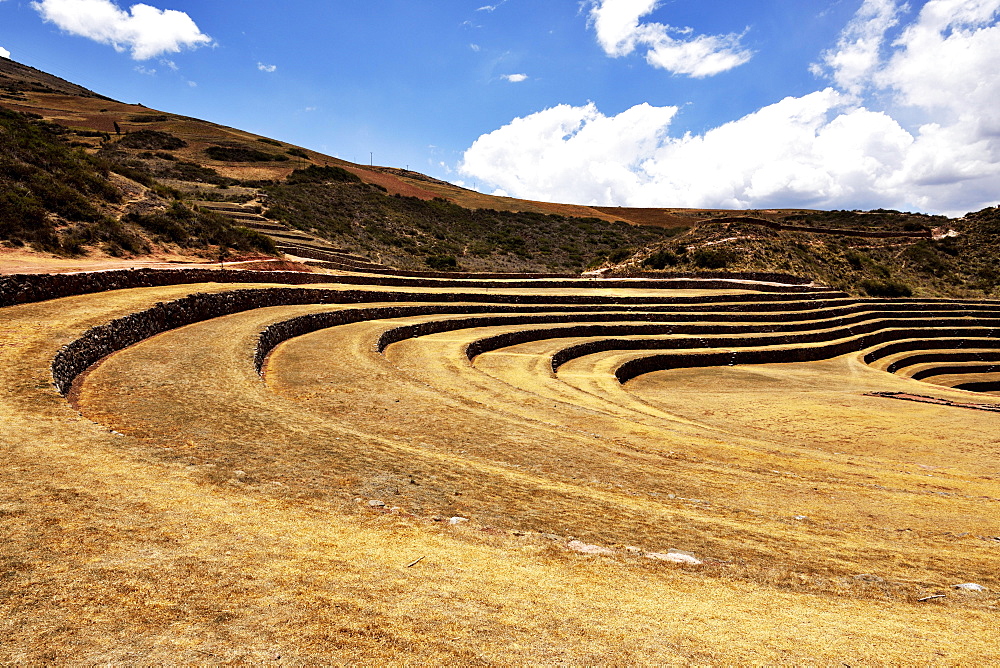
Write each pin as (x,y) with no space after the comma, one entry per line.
(151,140)
(885,288)
(41,175)
(149,118)
(316,174)
(713,258)
(189,228)
(298,153)
(242,154)
(442,263)
(661,260)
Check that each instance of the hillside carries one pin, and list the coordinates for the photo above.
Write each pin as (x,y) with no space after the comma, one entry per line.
(143,177)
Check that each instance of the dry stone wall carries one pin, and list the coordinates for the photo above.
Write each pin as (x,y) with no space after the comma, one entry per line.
(27,288)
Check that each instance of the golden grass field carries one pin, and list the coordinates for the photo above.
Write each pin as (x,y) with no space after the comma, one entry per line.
(179,508)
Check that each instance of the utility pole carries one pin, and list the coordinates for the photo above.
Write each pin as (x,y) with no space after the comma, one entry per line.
(371,159)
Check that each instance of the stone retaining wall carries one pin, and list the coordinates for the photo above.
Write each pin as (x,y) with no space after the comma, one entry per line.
(794,353)
(765,276)
(27,288)
(938,344)
(103,340)
(941,357)
(784,227)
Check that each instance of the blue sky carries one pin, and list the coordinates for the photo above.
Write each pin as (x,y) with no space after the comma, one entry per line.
(709,103)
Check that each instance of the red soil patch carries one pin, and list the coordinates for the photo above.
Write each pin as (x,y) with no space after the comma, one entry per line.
(394,185)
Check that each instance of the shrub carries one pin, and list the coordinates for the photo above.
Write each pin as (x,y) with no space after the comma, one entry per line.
(152,140)
(149,118)
(317,174)
(242,154)
(298,153)
(41,175)
(442,263)
(713,258)
(661,260)
(187,227)
(885,288)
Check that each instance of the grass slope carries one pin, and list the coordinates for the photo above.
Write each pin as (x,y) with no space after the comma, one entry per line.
(951,266)
(412,232)
(61,199)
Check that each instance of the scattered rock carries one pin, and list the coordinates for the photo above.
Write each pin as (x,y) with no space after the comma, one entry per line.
(584,548)
(458,520)
(550,536)
(632,549)
(376,503)
(800,517)
(681,552)
(239,474)
(868,577)
(969,586)
(674,558)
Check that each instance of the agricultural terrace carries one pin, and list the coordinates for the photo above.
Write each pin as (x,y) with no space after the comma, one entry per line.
(490,470)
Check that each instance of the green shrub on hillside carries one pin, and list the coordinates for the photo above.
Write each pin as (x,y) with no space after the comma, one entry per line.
(713,258)
(661,260)
(149,118)
(317,174)
(189,228)
(337,205)
(242,154)
(151,140)
(885,288)
(442,263)
(41,175)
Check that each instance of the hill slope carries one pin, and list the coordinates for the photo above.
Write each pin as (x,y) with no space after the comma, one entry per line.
(408,220)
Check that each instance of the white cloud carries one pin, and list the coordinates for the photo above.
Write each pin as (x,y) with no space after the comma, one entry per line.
(492,8)
(926,137)
(677,50)
(148,71)
(4,53)
(515,78)
(266,68)
(474,47)
(859,48)
(146,31)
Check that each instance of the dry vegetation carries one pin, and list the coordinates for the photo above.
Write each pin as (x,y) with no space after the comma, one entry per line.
(192,512)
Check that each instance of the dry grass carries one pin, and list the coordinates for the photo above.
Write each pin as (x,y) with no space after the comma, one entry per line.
(220,524)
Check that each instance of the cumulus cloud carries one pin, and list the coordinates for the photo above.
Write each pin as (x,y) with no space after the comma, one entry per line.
(619,30)
(4,53)
(144,30)
(267,68)
(859,48)
(927,137)
(514,78)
